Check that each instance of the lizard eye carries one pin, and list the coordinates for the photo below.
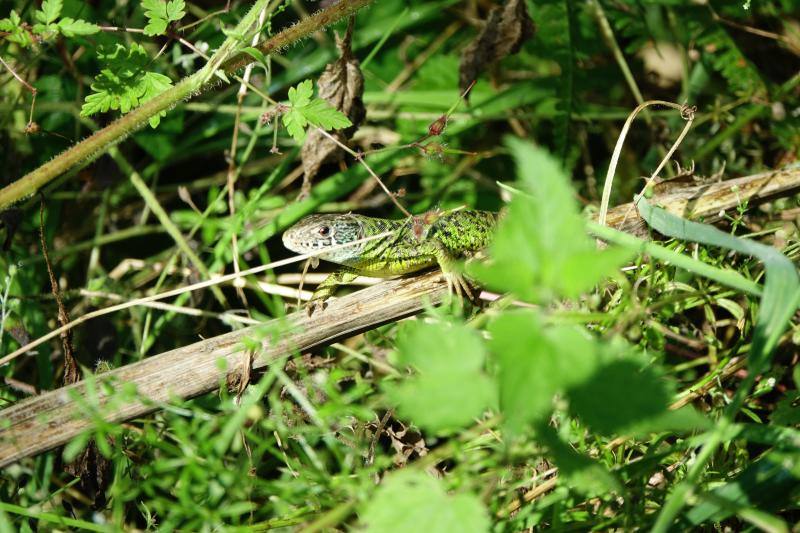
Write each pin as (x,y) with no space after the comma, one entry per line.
(324,231)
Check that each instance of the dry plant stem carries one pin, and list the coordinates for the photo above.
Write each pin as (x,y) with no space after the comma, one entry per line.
(360,158)
(607,186)
(95,145)
(749,29)
(191,311)
(41,423)
(708,201)
(25,84)
(231,177)
(181,290)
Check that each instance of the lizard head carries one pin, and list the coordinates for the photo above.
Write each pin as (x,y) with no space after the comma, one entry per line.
(318,232)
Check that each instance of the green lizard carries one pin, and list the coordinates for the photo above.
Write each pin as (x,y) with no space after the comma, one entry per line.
(414,243)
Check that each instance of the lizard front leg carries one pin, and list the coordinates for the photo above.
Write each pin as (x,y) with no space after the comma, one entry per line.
(448,262)
(328,286)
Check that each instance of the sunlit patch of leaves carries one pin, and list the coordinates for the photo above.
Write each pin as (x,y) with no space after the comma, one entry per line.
(124,83)
(49,23)
(305,109)
(161,13)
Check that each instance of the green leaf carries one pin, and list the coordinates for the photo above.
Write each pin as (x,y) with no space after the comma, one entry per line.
(607,386)
(295,124)
(123,83)
(624,396)
(409,499)
(16,33)
(305,110)
(160,14)
(535,363)
(533,257)
(322,114)
(70,27)
(450,388)
(50,11)
(176,10)
(300,95)
(154,84)
(156,26)
(256,54)
(45,30)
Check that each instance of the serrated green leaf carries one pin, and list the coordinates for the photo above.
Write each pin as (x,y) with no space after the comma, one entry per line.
(152,5)
(295,124)
(15,18)
(44,29)
(123,83)
(304,110)
(50,11)
(531,256)
(608,388)
(322,114)
(409,498)
(300,95)
(450,388)
(16,33)
(70,27)
(160,14)
(175,10)
(536,363)
(156,26)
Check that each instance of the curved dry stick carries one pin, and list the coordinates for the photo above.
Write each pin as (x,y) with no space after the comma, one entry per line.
(688,115)
(44,422)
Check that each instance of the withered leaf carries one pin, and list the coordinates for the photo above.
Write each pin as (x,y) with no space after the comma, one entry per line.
(506,29)
(94,472)
(342,86)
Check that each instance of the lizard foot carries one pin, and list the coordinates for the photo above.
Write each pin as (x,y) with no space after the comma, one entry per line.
(317,304)
(458,284)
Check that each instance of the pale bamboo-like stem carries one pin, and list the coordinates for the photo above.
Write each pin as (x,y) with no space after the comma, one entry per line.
(43,422)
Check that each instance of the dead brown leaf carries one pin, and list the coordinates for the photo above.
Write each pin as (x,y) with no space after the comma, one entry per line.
(342,86)
(94,472)
(506,30)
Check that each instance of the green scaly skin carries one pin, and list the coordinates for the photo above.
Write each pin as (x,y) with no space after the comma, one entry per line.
(414,244)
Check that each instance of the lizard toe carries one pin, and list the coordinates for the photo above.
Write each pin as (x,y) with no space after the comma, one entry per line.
(315,305)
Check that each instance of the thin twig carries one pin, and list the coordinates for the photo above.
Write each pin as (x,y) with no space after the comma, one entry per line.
(232,174)
(360,159)
(25,84)
(686,112)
